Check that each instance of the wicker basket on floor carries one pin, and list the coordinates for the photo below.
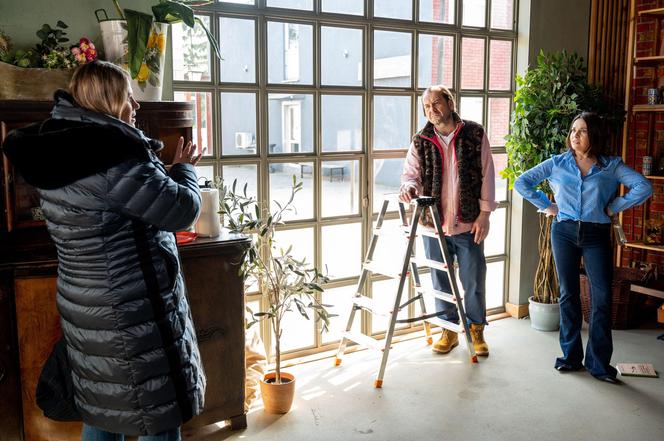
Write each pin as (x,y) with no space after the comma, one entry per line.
(625,307)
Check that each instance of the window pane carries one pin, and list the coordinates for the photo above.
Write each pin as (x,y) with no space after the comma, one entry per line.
(302,241)
(474,13)
(298,331)
(237,46)
(289,53)
(191,52)
(239,2)
(421,118)
(204,172)
(435,60)
(471,108)
(502,12)
(437,11)
(355,7)
(494,244)
(341,56)
(238,129)
(281,182)
(342,261)
(391,122)
(341,122)
(292,4)
(495,272)
(499,164)
(472,63)
(500,65)
(341,301)
(201,131)
(383,292)
(341,188)
(392,59)
(402,9)
(499,120)
(244,174)
(387,179)
(291,123)
(390,249)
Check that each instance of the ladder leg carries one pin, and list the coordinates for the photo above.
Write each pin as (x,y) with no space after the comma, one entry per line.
(452,279)
(397,300)
(416,281)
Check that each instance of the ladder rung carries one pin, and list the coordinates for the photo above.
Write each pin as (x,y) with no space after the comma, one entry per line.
(375,268)
(364,340)
(423,231)
(421,261)
(389,232)
(436,294)
(446,324)
(370,305)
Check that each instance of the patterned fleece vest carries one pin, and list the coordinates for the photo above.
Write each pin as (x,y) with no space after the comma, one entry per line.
(468,147)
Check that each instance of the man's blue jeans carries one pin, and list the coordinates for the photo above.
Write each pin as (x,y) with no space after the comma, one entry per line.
(570,241)
(94,434)
(472,274)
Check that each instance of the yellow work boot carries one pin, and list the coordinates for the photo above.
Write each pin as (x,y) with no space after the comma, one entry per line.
(477,335)
(448,341)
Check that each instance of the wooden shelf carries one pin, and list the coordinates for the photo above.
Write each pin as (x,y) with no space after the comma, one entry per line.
(649,60)
(648,108)
(644,246)
(654,177)
(656,11)
(645,290)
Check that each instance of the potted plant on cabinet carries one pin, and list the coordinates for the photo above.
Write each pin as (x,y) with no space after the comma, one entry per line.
(547,99)
(285,282)
(137,40)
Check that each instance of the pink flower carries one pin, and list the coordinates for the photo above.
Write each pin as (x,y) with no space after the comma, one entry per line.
(84,40)
(75,50)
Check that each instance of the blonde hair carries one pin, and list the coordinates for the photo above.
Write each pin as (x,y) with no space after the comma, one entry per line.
(100,86)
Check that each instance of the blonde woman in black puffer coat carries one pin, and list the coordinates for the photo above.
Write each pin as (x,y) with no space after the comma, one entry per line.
(111,208)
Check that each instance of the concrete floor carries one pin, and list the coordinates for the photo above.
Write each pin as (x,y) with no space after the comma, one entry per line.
(514,394)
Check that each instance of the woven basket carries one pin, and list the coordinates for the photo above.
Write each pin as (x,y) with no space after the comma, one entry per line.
(20,83)
(625,304)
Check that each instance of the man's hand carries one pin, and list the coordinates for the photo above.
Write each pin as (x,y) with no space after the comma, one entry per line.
(408,192)
(481,227)
(551,210)
(186,154)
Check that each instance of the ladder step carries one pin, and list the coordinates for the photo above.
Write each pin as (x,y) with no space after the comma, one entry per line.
(421,261)
(423,232)
(436,294)
(446,324)
(364,340)
(370,305)
(376,268)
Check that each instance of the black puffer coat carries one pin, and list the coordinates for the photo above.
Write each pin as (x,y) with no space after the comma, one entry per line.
(110,207)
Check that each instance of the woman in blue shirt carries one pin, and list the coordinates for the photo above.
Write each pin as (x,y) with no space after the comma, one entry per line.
(584,183)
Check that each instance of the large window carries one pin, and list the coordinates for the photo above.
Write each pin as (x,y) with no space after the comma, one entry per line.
(330,91)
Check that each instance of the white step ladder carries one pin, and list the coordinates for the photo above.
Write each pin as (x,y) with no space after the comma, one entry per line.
(362,302)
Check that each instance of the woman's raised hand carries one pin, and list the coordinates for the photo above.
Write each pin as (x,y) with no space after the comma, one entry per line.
(186,154)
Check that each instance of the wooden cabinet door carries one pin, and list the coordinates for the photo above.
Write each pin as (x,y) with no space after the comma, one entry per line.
(38,328)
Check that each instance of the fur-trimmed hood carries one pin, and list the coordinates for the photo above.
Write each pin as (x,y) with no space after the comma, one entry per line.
(73,144)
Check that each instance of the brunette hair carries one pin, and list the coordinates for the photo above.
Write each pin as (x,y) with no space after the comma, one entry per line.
(596,132)
(445,93)
(100,86)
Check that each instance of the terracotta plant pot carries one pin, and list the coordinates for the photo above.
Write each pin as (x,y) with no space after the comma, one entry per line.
(277,398)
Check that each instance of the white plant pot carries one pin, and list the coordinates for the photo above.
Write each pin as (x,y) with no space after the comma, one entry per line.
(544,316)
(147,86)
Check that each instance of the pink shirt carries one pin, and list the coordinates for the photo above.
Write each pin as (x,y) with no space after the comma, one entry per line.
(449,191)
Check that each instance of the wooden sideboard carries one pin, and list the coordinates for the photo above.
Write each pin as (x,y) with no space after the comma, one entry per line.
(29,322)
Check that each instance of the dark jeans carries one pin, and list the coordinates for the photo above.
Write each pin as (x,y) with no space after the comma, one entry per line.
(570,241)
(91,433)
(472,274)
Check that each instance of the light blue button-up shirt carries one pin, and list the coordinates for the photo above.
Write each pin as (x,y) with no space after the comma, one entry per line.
(584,198)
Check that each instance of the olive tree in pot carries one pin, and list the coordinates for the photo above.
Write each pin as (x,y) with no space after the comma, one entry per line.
(285,282)
(547,99)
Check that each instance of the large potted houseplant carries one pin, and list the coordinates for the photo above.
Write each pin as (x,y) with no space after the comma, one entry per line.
(547,99)
(286,283)
(137,41)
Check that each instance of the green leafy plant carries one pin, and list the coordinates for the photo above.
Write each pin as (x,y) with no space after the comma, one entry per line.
(284,281)
(547,99)
(166,11)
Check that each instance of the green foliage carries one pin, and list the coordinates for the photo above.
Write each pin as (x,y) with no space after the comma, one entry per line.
(284,281)
(548,97)
(51,53)
(166,11)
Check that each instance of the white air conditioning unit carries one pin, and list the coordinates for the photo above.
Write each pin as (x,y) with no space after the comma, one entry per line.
(244,140)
